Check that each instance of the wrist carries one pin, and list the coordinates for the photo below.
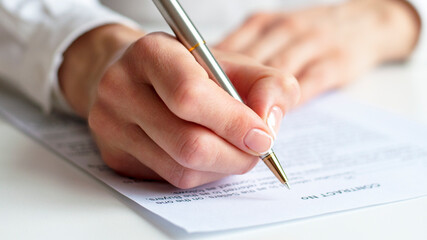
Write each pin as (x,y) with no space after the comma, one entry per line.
(86,59)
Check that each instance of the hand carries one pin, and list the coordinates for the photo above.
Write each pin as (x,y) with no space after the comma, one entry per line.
(326,47)
(155,114)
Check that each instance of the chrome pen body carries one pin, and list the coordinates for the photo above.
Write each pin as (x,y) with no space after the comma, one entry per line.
(188,35)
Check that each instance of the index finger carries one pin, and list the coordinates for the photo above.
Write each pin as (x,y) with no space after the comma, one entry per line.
(185,88)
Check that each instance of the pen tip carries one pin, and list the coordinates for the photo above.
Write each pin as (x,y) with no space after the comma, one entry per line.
(274,165)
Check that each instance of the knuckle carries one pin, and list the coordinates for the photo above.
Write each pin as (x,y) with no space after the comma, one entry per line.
(194,150)
(184,178)
(103,123)
(185,99)
(133,132)
(236,124)
(289,86)
(149,44)
(108,85)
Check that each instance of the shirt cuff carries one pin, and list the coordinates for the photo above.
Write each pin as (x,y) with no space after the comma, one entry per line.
(54,37)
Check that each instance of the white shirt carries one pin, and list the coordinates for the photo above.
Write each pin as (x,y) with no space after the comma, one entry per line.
(35,33)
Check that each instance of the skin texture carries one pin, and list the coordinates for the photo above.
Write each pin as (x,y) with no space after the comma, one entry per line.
(329,46)
(155,114)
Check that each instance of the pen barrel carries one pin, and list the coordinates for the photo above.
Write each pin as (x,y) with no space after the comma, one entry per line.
(179,22)
(188,35)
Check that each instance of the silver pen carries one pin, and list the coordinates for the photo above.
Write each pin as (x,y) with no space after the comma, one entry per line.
(188,35)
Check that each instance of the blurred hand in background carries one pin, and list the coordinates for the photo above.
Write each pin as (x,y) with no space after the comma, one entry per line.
(328,46)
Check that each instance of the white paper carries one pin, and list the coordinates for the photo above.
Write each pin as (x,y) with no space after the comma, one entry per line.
(338,155)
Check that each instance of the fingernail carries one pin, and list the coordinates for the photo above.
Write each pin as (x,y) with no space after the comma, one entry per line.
(258,141)
(274,119)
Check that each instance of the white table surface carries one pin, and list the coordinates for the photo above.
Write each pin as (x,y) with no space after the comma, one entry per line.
(43,196)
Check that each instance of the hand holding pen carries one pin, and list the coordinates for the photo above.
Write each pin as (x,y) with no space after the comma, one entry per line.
(189,36)
(155,113)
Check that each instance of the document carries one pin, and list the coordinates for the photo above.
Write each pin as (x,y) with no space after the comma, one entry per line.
(339,155)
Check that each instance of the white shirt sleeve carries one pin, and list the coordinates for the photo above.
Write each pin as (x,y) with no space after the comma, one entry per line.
(35,33)
(420,53)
